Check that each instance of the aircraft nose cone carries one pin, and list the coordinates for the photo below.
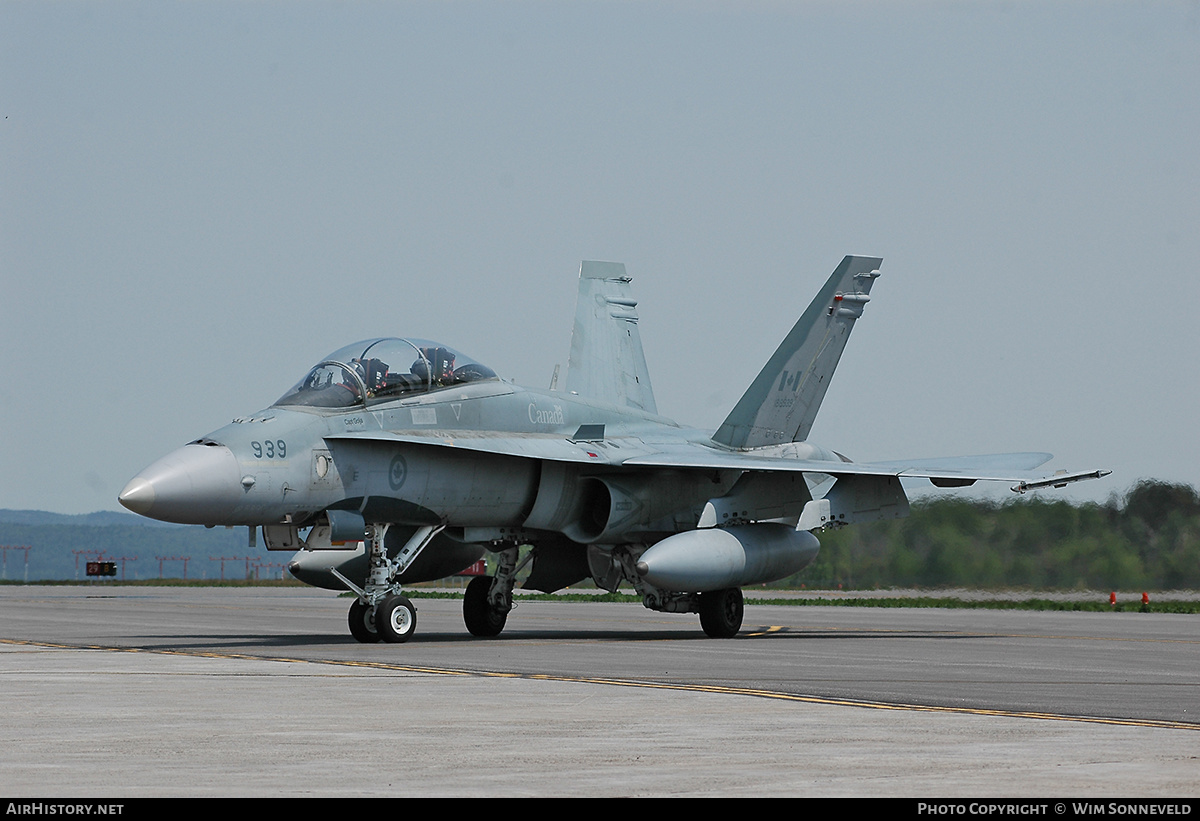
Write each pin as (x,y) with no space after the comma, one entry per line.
(138,496)
(197,484)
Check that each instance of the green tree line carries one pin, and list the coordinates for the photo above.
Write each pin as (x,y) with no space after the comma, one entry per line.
(1149,539)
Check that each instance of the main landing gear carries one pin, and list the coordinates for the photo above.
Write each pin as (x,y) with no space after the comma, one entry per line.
(481,618)
(721,612)
(381,613)
(488,600)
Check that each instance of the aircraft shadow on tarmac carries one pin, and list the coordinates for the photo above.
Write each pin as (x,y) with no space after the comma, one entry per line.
(243,641)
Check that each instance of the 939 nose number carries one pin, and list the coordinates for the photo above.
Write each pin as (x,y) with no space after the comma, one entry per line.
(269,449)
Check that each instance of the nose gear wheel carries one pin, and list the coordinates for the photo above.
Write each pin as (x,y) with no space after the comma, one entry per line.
(396,619)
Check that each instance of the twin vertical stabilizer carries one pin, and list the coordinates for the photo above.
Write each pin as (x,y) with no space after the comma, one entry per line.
(607,362)
(782,402)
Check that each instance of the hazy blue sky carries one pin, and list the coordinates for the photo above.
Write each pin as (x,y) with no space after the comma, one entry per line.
(200,200)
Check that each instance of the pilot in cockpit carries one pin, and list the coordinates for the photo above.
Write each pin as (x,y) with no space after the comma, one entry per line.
(373,373)
(442,363)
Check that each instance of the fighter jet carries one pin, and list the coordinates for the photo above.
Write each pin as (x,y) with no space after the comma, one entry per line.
(398,460)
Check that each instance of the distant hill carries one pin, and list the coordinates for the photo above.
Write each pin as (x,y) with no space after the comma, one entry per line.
(100,517)
(61,545)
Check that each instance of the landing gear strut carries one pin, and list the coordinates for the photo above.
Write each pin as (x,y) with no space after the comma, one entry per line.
(380,612)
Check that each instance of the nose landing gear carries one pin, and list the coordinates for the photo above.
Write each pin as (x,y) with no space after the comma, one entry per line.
(380,613)
(362,622)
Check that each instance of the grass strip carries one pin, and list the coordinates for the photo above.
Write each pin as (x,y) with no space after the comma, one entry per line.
(1163,606)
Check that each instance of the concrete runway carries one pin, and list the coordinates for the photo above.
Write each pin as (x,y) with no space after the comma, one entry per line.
(130,691)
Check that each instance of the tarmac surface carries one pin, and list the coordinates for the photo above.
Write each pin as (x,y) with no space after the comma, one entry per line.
(133,691)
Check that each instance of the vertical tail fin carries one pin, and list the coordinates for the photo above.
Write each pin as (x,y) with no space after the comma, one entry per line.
(607,362)
(782,402)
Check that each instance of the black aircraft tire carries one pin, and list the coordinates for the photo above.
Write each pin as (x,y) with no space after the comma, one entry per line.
(362,622)
(396,619)
(480,618)
(721,612)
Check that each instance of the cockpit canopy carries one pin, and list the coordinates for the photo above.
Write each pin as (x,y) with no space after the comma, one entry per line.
(379,370)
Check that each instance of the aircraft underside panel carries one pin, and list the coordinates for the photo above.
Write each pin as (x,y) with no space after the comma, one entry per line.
(443,557)
(558,563)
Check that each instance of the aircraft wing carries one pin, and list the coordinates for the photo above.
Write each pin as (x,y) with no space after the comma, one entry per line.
(954,471)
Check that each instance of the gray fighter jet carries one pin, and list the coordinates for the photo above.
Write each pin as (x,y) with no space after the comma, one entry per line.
(401,460)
